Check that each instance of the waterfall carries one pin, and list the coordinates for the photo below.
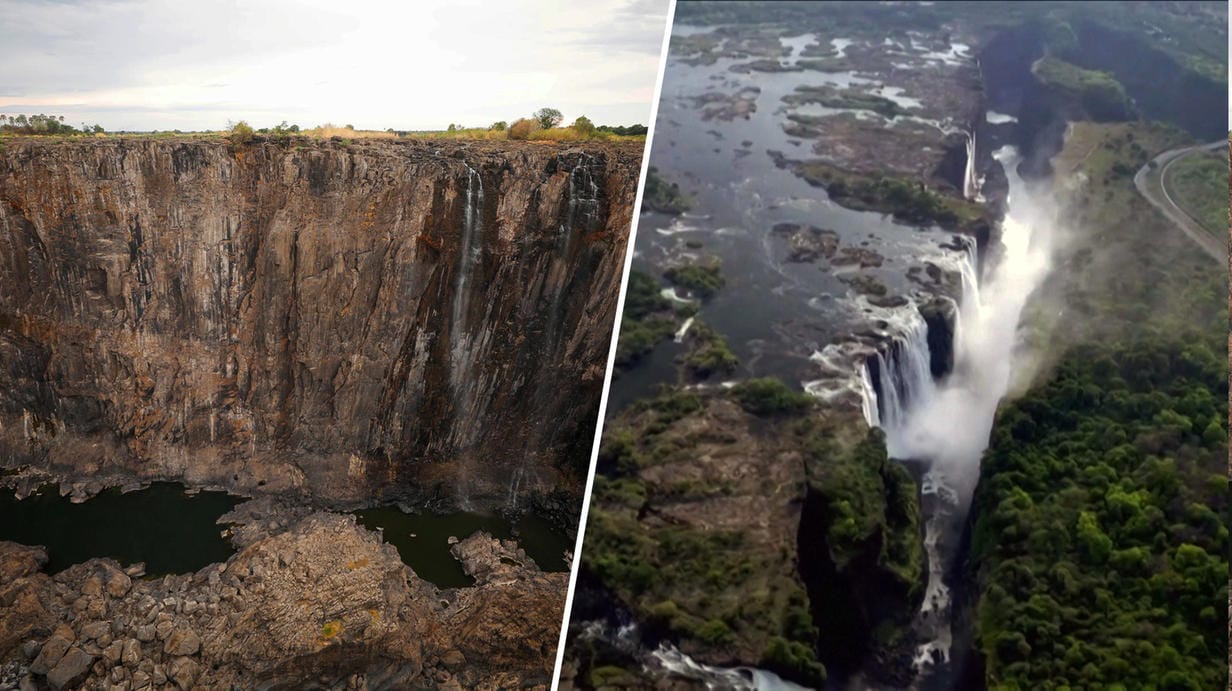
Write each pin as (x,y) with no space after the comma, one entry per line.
(971,184)
(670,659)
(899,378)
(952,431)
(684,329)
(871,413)
(472,230)
(583,193)
(970,299)
(581,214)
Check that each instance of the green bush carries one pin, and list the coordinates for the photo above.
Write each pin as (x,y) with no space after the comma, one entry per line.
(711,356)
(769,397)
(584,127)
(703,280)
(714,632)
(794,660)
(240,133)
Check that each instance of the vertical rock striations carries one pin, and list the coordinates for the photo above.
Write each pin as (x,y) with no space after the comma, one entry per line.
(385,319)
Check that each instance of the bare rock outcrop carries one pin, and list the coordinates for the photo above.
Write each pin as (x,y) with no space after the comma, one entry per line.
(323,603)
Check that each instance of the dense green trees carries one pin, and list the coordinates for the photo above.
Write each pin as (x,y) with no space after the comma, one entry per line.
(625,130)
(1100,544)
(43,124)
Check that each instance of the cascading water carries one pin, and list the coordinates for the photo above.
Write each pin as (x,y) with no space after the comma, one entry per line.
(583,193)
(580,217)
(710,677)
(901,376)
(872,414)
(472,230)
(950,429)
(971,183)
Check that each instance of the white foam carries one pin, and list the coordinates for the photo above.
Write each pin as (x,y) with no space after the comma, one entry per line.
(995,118)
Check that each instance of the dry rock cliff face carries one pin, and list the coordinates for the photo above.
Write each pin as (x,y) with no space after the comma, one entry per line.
(347,322)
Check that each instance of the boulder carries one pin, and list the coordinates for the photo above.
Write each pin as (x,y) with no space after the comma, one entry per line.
(94,630)
(183,671)
(54,649)
(132,652)
(71,668)
(182,642)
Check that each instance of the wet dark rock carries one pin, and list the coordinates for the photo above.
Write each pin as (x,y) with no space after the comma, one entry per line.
(940,314)
(889,301)
(861,256)
(809,244)
(866,285)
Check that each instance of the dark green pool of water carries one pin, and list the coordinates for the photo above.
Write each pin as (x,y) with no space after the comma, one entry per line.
(423,540)
(162,526)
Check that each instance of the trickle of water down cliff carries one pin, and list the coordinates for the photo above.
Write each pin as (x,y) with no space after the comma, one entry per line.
(350,323)
(945,423)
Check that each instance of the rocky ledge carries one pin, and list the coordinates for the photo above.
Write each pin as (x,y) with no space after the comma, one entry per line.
(311,600)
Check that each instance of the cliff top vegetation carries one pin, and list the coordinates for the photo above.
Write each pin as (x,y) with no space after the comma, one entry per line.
(529,129)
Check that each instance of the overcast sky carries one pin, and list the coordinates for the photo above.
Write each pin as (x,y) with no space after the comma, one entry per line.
(196,64)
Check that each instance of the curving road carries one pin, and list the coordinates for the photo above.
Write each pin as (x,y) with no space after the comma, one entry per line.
(1150,183)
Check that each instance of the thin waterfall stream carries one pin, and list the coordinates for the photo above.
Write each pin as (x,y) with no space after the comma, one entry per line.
(472,232)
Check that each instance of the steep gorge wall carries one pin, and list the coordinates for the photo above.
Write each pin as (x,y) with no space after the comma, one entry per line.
(409,320)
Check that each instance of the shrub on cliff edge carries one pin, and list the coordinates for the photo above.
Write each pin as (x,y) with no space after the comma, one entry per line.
(240,132)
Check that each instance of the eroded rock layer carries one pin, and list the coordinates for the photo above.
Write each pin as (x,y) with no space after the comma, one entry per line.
(352,322)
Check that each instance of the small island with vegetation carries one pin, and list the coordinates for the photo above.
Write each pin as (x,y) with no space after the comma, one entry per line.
(663,196)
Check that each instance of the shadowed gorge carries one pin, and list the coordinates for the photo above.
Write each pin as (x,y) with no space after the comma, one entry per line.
(348,322)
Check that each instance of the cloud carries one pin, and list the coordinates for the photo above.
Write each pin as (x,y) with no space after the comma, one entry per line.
(166,64)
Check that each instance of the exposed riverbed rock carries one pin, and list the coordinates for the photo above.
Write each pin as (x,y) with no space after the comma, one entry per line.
(322,603)
(807,244)
(301,318)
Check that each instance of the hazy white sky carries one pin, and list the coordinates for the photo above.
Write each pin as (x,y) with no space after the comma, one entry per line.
(195,64)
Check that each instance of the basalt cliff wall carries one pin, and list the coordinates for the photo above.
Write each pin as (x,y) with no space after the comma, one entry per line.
(346,321)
